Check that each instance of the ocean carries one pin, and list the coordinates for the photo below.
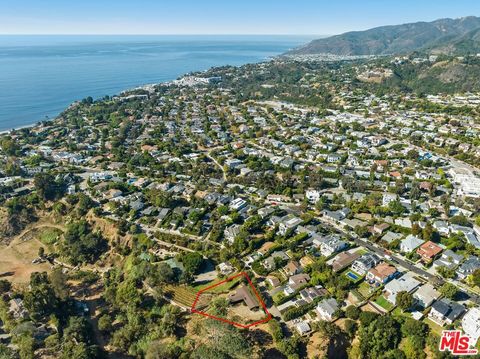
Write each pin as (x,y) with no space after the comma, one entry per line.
(41,75)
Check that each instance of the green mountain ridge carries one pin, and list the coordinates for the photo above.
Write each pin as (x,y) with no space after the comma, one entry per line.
(460,36)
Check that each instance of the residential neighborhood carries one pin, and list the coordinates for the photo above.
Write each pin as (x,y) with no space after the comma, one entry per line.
(368,206)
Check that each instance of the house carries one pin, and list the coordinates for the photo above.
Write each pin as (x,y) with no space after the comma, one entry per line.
(293,268)
(428,251)
(390,237)
(387,198)
(243,294)
(468,267)
(288,222)
(327,308)
(426,295)
(380,228)
(403,222)
(405,283)
(230,233)
(332,245)
(273,281)
(442,227)
(297,280)
(271,262)
(312,293)
(471,323)
(265,211)
(265,248)
(226,268)
(137,205)
(344,259)
(306,261)
(237,204)
(410,243)
(381,165)
(333,158)
(162,213)
(381,274)
(335,217)
(302,327)
(353,223)
(17,309)
(445,311)
(472,238)
(312,195)
(365,262)
(233,163)
(448,259)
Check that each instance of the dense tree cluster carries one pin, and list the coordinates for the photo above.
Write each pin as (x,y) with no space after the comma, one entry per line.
(81,244)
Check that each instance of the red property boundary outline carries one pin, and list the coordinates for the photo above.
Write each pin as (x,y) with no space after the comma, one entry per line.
(262,303)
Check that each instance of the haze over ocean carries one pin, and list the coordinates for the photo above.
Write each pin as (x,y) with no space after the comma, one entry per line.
(42,75)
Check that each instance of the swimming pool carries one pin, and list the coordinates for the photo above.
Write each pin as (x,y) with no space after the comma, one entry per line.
(352,276)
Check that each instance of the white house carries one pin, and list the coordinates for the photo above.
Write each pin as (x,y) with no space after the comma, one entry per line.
(403,222)
(471,323)
(410,243)
(365,262)
(288,222)
(442,227)
(332,245)
(445,311)
(312,195)
(388,197)
(231,232)
(405,283)
(233,163)
(326,308)
(333,157)
(426,295)
(302,327)
(237,204)
(448,259)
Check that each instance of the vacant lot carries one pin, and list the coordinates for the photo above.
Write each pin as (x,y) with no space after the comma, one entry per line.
(16,260)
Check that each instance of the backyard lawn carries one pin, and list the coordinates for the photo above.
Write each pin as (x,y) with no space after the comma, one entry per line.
(365,290)
(400,313)
(385,304)
(437,329)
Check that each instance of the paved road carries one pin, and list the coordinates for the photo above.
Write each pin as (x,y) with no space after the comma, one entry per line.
(436,281)
(402,262)
(394,258)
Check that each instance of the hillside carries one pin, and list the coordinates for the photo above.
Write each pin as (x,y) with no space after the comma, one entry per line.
(444,35)
(449,76)
(464,45)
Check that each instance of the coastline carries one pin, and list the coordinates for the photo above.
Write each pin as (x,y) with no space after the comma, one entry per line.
(97,66)
(32,125)
(6,132)
(139,87)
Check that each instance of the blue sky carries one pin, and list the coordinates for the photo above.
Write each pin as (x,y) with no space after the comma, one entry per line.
(219,17)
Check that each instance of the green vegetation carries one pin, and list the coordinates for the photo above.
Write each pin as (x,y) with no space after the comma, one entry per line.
(385,304)
(81,244)
(49,236)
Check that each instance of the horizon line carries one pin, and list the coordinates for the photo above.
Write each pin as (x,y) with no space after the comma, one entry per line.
(159,34)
